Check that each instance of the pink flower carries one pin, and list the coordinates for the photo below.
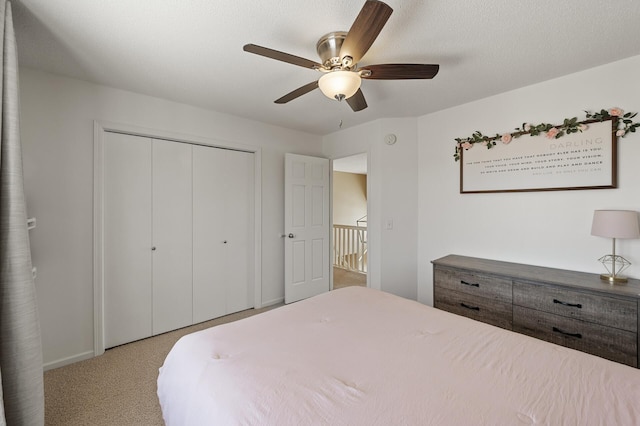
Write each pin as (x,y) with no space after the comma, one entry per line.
(527,127)
(506,138)
(620,132)
(485,143)
(552,133)
(467,145)
(615,112)
(583,127)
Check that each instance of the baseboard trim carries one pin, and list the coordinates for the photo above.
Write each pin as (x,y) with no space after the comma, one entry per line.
(66,361)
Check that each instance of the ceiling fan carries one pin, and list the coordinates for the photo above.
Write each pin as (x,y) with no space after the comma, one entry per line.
(340,53)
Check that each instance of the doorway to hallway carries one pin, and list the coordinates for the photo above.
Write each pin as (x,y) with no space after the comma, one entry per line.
(350,249)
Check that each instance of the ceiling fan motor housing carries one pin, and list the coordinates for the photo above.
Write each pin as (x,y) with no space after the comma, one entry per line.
(328,48)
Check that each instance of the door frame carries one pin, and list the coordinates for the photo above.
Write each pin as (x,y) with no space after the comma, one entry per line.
(99,129)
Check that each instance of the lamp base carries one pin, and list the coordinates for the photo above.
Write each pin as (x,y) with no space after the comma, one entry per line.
(613,279)
(614,266)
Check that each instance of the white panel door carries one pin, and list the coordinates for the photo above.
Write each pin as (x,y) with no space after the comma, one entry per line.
(223,220)
(126,238)
(172,236)
(306,211)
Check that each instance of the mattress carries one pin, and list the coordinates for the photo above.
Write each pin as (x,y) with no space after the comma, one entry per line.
(358,356)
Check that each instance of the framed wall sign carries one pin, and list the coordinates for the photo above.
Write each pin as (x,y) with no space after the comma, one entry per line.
(582,160)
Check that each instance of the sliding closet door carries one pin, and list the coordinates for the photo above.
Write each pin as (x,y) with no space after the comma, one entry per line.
(239,218)
(172,236)
(223,200)
(210,238)
(178,237)
(126,238)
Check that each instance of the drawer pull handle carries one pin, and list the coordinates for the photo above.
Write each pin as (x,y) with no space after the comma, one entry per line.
(572,305)
(469,284)
(557,330)
(473,308)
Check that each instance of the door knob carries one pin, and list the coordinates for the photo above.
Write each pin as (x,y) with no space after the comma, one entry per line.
(291,236)
(224,242)
(153,248)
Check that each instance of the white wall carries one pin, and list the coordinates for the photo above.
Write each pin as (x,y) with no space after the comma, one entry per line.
(57,135)
(391,194)
(349,198)
(540,228)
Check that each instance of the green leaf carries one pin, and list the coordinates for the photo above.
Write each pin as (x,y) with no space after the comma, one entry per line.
(568,126)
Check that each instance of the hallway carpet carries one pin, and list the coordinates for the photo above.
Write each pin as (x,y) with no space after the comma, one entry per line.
(343,278)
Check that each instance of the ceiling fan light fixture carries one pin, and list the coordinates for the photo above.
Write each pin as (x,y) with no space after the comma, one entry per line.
(339,84)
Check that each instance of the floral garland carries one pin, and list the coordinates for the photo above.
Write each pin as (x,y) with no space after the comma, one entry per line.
(550,131)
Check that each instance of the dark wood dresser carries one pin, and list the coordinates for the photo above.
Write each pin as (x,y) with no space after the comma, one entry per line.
(569,308)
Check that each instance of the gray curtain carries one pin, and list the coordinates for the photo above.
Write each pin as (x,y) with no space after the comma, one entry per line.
(20,345)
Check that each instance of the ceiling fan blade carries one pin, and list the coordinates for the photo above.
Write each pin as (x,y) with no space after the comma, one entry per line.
(297,93)
(281,56)
(400,71)
(357,101)
(365,29)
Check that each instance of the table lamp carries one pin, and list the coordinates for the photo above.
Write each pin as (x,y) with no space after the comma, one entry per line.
(615,224)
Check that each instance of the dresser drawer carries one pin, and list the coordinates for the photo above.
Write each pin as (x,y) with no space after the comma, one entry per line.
(474,284)
(592,307)
(611,343)
(475,307)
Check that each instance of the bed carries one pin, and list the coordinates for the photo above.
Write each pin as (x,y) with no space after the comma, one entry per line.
(358,356)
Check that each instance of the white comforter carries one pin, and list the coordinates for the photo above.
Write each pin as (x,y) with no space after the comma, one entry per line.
(358,356)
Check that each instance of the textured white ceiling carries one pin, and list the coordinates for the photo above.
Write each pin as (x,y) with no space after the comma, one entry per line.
(191,50)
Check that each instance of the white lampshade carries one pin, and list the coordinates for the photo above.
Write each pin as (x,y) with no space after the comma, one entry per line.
(615,224)
(339,84)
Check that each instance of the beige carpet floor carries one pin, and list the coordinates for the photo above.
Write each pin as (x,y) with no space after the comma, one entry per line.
(119,387)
